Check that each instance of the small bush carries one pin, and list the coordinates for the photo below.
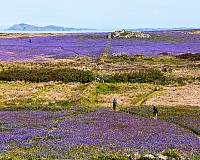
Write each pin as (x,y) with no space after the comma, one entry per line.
(164,53)
(145,158)
(172,153)
(124,34)
(81,87)
(106,88)
(167,69)
(107,157)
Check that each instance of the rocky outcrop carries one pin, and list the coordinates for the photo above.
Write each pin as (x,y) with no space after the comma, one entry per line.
(127,34)
(165,155)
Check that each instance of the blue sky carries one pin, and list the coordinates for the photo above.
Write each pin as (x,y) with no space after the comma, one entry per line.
(102,14)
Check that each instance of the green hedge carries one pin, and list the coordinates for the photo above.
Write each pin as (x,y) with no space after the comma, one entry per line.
(138,76)
(47,74)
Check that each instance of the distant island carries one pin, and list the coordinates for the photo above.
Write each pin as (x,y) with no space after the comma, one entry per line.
(27,27)
(161,29)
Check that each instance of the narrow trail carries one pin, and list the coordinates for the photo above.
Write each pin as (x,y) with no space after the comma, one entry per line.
(107,48)
(86,92)
(140,100)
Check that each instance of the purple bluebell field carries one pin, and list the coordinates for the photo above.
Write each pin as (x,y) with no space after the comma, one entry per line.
(20,49)
(172,42)
(79,132)
(96,44)
(187,117)
(54,133)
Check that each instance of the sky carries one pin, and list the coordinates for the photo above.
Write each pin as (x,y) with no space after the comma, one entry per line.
(101,14)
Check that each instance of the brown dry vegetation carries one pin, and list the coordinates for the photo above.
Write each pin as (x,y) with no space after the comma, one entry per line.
(46,93)
(194,32)
(127,94)
(188,95)
(25,35)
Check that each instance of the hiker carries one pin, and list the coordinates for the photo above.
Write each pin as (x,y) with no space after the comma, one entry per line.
(114,104)
(103,79)
(155,112)
(98,79)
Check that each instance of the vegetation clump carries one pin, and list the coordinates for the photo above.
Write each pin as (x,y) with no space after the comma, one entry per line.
(138,76)
(47,74)
(190,56)
(107,157)
(172,153)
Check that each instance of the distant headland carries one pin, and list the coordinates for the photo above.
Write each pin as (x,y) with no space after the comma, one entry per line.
(23,27)
(27,27)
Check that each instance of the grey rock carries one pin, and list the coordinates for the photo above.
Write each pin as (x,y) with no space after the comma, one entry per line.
(161,157)
(135,156)
(149,156)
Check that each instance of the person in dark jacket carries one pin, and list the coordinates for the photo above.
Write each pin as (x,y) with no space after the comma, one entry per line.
(114,104)
(103,79)
(155,112)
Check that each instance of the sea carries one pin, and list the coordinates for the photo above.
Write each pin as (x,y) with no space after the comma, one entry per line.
(71,31)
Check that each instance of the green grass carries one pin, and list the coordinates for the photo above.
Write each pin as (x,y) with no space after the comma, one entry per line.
(107,88)
(172,153)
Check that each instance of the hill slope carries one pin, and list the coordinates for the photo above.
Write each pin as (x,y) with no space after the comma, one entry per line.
(27,27)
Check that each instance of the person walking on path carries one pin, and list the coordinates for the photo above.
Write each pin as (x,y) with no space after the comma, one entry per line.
(103,79)
(114,104)
(155,112)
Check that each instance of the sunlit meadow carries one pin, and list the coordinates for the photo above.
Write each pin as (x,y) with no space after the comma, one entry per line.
(48,114)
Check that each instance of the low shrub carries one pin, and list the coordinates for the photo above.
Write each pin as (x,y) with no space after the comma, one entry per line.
(107,157)
(172,153)
(47,74)
(146,158)
(190,56)
(138,76)
(106,88)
